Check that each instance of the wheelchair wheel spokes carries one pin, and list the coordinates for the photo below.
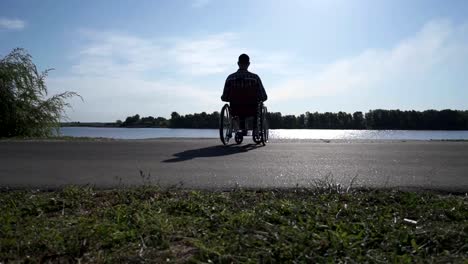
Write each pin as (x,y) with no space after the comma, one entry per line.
(225,125)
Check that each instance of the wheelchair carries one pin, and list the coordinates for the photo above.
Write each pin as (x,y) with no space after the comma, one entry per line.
(230,122)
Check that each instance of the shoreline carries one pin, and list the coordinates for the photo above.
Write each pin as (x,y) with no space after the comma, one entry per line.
(331,129)
(272,141)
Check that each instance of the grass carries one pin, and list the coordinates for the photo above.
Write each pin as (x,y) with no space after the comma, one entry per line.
(148,224)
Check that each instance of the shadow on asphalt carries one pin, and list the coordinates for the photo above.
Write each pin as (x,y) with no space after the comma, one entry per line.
(215,151)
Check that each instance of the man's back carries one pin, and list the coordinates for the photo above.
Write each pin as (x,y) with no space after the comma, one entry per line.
(243,86)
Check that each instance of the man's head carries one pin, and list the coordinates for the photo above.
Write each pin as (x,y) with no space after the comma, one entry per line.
(244,62)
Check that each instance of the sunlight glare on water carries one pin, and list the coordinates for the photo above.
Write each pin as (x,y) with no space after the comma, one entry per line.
(367,134)
(146,133)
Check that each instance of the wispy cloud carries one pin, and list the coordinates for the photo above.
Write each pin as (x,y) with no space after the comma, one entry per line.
(111,53)
(436,42)
(116,54)
(11,24)
(111,98)
(209,55)
(218,53)
(120,74)
(200,3)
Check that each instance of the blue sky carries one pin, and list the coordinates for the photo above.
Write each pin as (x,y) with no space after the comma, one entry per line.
(155,57)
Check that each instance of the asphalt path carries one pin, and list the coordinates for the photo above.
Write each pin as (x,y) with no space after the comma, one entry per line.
(204,163)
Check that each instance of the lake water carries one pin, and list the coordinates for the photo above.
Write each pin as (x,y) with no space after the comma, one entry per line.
(144,133)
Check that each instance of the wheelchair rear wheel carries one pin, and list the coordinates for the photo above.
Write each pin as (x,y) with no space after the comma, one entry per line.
(261,132)
(225,124)
(265,131)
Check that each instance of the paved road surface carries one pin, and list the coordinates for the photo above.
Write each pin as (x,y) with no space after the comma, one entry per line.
(203,163)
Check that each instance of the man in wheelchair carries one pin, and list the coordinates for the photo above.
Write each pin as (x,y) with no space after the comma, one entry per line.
(244,91)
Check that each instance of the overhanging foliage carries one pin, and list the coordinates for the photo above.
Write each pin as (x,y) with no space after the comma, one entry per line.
(26,110)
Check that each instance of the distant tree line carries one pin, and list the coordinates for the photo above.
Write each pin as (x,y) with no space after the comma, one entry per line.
(202,120)
(374,119)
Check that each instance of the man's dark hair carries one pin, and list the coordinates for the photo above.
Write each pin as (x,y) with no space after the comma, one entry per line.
(244,59)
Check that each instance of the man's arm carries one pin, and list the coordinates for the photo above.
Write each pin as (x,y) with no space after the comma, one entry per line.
(225,96)
(263,95)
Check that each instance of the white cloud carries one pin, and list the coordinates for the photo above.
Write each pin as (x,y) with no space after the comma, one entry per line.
(209,55)
(200,3)
(218,54)
(11,24)
(435,42)
(121,74)
(109,99)
(110,53)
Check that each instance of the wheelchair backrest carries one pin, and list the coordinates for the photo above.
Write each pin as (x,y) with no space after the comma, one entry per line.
(244,96)
(244,90)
